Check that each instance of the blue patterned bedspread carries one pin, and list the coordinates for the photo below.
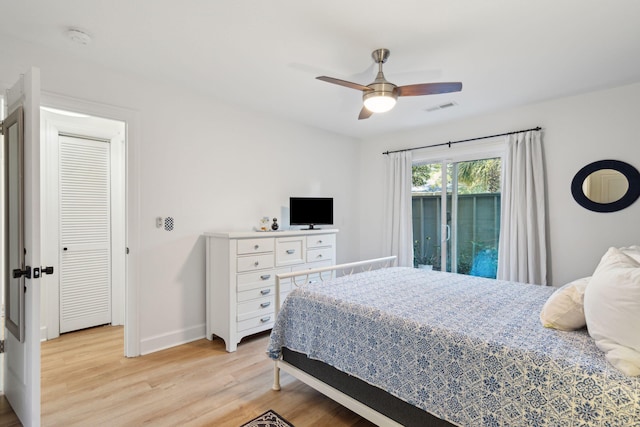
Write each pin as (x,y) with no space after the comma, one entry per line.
(469,350)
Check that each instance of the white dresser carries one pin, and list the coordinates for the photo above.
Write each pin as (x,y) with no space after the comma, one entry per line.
(241,276)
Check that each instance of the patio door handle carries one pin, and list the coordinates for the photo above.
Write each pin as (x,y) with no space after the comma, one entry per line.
(448,232)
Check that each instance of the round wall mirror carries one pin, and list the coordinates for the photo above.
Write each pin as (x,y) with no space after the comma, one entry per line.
(606,186)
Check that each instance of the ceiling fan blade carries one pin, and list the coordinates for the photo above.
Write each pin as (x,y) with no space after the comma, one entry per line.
(429,88)
(364,114)
(342,83)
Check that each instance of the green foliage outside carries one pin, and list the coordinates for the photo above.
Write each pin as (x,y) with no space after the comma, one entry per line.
(480,176)
(422,173)
(476,179)
(477,176)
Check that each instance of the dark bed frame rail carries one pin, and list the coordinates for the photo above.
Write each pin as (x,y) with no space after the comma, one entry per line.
(373,397)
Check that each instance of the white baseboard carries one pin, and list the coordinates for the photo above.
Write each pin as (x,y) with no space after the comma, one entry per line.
(171,339)
(43,333)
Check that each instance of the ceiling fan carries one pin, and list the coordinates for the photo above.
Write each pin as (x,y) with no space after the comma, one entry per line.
(381,95)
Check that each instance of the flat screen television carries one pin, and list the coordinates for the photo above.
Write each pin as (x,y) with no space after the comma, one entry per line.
(310,211)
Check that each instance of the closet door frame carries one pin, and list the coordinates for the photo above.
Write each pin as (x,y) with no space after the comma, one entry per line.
(132,221)
(51,126)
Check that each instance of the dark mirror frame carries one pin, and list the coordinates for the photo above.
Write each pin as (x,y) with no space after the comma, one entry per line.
(631,173)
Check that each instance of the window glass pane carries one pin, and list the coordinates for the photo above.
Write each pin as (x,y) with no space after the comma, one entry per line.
(478,217)
(472,222)
(426,203)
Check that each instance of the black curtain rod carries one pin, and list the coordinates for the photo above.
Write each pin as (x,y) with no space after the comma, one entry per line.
(463,140)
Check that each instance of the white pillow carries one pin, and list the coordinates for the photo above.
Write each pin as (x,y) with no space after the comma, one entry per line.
(612,310)
(564,309)
(632,251)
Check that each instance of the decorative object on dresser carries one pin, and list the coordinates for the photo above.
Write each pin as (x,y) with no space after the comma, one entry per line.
(264,224)
(241,273)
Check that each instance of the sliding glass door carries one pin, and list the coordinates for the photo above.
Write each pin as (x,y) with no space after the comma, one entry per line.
(456,216)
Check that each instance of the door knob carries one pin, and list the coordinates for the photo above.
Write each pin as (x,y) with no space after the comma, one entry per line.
(46,270)
(17,273)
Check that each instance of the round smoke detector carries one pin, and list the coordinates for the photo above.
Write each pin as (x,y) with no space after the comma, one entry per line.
(78,36)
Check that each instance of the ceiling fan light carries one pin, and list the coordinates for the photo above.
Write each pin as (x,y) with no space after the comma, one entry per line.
(379,103)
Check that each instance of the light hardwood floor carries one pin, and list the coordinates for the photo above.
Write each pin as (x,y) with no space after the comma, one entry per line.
(87,382)
(7,417)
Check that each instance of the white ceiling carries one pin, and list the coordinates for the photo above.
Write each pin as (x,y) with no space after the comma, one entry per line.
(264,54)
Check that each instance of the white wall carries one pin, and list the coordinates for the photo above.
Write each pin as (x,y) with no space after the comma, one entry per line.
(209,166)
(215,166)
(577,130)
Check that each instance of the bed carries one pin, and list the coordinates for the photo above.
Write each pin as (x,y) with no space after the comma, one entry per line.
(404,346)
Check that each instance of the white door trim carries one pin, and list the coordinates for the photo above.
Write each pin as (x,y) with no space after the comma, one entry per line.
(53,126)
(132,187)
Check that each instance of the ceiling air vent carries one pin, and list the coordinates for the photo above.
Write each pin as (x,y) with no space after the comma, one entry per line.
(441,106)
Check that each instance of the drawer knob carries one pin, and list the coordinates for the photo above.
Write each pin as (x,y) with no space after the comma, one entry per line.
(265,291)
(319,241)
(265,276)
(257,263)
(265,304)
(265,319)
(291,251)
(319,256)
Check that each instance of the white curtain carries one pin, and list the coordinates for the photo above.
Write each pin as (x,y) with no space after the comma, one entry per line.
(522,254)
(398,235)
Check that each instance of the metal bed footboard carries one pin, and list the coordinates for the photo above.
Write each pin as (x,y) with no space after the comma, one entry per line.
(301,278)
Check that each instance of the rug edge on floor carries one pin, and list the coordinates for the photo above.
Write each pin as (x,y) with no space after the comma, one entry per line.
(280,422)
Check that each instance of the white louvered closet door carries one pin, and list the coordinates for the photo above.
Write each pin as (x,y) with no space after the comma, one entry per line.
(85,233)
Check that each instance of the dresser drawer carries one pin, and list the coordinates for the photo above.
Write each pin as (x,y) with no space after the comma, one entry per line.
(256,308)
(312,278)
(321,240)
(254,262)
(285,284)
(324,276)
(253,246)
(255,279)
(256,293)
(265,321)
(290,251)
(319,254)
